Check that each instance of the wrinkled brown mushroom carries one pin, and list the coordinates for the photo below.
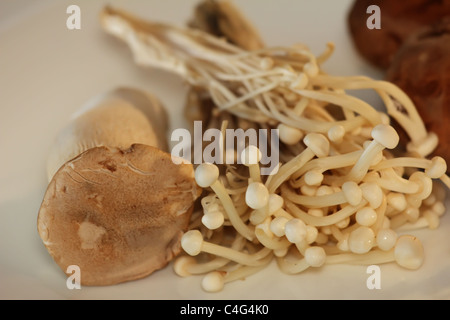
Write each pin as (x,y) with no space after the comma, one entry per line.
(116,211)
(421,68)
(399,19)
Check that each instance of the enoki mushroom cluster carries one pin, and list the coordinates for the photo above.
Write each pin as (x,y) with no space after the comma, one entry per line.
(344,192)
(318,209)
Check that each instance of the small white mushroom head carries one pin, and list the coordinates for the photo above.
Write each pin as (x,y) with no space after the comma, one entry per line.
(206,174)
(385,135)
(352,192)
(251,155)
(372,193)
(397,201)
(277,225)
(409,252)
(275,202)
(315,256)
(180,265)
(213,281)
(313,177)
(386,239)
(213,219)
(366,216)
(295,230)
(191,242)
(336,133)
(437,169)
(257,195)
(289,135)
(318,144)
(361,240)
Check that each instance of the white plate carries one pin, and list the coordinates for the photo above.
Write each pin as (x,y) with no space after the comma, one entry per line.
(47,72)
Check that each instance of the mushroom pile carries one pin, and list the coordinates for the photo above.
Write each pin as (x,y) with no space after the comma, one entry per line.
(343,192)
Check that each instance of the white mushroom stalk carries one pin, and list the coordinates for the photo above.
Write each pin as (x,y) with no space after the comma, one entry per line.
(226,71)
(343,191)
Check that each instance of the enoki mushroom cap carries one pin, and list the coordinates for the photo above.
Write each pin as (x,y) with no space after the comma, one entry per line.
(386,136)
(213,219)
(336,133)
(409,252)
(276,202)
(372,192)
(213,281)
(412,214)
(437,169)
(361,240)
(251,155)
(289,135)
(277,225)
(314,177)
(191,242)
(257,195)
(315,256)
(180,264)
(397,201)
(386,239)
(311,234)
(318,144)
(206,174)
(295,230)
(424,146)
(366,216)
(352,192)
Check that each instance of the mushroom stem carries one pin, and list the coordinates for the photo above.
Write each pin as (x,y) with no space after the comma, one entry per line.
(412,122)
(346,102)
(390,180)
(327,220)
(317,145)
(259,215)
(250,157)
(361,167)
(187,265)
(269,241)
(214,281)
(231,211)
(193,243)
(328,163)
(351,194)
(381,210)
(291,266)
(288,169)
(384,136)
(207,175)
(245,271)
(372,257)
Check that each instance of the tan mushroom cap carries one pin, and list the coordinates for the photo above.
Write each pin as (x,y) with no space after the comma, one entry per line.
(118,214)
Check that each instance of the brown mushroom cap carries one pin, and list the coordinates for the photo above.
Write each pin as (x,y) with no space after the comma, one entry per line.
(421,68)
(399,19)
(117,214)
